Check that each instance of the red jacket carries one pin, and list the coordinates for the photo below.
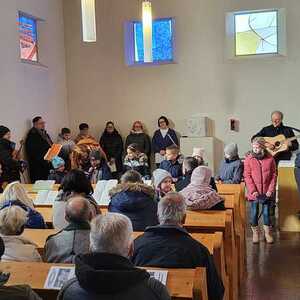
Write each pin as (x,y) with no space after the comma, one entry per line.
(260,175)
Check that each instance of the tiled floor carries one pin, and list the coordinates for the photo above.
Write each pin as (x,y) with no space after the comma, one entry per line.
(273,270)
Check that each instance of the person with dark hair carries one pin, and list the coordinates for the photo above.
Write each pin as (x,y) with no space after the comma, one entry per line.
(11,167)
(14,292)
(73,239)
(112,144)
(65,139)
(163,138)
(83,133)
(99,169)
(297,174)
(75,183)
(1,180)
(189,165)
(136,160)
(138,136)
(134,199)
(37,144)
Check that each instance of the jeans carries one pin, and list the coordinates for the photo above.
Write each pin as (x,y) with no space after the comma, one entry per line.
(255,213)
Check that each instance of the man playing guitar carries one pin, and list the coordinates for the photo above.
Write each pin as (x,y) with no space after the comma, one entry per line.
(277,128)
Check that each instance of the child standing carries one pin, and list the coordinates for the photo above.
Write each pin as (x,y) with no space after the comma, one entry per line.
(173,162)
(135,160)
(231,169)
(99,169)
(58,173)
(260,178)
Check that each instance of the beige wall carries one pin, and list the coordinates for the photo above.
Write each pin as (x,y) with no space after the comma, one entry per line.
(28,90)
(101,87)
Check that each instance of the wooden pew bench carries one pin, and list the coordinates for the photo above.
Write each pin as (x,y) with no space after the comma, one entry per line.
(182,284)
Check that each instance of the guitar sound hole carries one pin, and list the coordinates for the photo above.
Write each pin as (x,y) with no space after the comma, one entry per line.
(277,144)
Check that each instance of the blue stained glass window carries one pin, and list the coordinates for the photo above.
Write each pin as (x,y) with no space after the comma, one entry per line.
(162,41)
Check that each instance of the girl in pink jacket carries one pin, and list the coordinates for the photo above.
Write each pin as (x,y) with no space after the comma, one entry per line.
(260,178)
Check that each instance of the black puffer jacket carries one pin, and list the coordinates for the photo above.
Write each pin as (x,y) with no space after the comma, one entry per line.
(10,167)
(107,277)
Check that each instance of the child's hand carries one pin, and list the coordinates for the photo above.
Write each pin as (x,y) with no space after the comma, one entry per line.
(255,194)
(269,194)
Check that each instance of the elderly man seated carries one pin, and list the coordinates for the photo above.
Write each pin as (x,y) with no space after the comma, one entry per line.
(73,239)
(169,245)
(106,272)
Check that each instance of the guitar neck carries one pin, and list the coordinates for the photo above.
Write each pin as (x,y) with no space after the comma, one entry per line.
(293,138)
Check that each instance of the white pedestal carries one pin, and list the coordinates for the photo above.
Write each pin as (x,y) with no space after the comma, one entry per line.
(212,146)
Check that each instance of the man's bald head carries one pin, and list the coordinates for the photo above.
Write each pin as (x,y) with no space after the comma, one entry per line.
(78,210)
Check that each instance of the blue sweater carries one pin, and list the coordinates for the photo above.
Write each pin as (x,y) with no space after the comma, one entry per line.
(174,168)
(161,143)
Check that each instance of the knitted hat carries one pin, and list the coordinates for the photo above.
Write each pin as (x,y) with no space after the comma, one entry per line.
(3,131)
(231,150)
(159,175)
(198,152)
(201,176)
(57,162)
(95,154)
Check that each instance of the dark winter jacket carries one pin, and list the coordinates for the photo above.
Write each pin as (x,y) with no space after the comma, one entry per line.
(231,171)
(63,246)
(10,167)
(174,168)
(36,145)
(271,131)
(142,140)
(112,145)
(108,277)
(101,172)
(57,176)
(169,246)
(34,219)
(185,180)
(136,201)
(297,171)
(161,143)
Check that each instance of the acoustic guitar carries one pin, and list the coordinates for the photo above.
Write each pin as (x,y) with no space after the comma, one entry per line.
(280,143)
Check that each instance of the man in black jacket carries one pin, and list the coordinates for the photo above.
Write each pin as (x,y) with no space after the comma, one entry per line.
(275,129)
(37,144)
(169,245)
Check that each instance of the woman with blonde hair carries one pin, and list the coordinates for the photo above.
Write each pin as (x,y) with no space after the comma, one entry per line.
(17,248)
(15,194)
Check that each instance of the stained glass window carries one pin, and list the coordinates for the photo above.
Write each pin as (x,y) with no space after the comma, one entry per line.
(256,33)
(162,41)
(28,37)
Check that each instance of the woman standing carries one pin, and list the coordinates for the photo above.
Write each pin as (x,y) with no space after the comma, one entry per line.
(11,167)
(163,138)
(112,144)
(139,137)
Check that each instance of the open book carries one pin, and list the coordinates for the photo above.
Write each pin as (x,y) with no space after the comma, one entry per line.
(43,185)
(45,197)
(101,193)
(57,276)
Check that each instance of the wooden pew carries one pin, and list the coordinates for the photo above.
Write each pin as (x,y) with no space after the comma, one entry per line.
(182,283)
(212,221)
(212,241)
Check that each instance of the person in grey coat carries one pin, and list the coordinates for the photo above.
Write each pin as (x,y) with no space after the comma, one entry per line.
(107,273)
(232,168)
(73,239)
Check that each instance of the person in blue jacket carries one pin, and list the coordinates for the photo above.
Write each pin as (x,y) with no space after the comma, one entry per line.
(99,169)
(173,162)
(135,200)
(163,138)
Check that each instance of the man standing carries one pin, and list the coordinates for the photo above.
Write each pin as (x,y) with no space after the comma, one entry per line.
(275,129)
(37,144)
